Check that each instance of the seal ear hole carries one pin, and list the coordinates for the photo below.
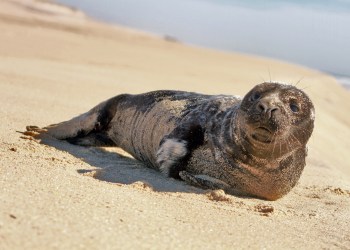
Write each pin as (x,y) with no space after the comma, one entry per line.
(255,96)
(294,107)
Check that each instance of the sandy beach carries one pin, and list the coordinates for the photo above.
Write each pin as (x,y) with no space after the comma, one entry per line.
(56,63)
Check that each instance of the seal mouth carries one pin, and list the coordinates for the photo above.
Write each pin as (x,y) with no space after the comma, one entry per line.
(262,134)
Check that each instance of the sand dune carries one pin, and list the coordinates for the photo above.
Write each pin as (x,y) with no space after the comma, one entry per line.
(56,63)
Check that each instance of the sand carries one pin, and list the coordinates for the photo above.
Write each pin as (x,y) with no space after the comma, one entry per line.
(56,63)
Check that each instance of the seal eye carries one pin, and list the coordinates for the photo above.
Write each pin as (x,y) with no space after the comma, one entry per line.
(255,96)
(294,107)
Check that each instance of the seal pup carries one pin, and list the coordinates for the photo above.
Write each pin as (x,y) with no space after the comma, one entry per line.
(255,146)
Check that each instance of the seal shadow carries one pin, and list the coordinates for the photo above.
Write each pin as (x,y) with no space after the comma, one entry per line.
(111,166)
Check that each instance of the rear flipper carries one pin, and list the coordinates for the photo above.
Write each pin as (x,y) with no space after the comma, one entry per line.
(88,129)
(77,127)
(203,181)
(176,148)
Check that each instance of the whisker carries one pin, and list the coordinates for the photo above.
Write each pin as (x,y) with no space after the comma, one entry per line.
(274,145)
(296,138)
(304,88)
(262,78)
(296,84)
(288,144)
(280,148)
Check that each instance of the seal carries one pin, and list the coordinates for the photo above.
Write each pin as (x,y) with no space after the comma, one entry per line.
(255,146)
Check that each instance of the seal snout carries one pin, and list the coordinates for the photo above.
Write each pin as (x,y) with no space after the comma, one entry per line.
(269,112)
(267,107)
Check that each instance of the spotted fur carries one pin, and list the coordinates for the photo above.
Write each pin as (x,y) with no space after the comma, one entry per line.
(254,146)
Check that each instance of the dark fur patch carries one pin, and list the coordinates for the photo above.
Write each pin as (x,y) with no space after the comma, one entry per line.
(108,112)
(193,134)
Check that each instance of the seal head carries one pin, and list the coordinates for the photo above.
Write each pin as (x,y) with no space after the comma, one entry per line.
(266,146)
(275,119)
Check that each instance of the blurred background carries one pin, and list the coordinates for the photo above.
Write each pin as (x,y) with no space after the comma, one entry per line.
(312,33)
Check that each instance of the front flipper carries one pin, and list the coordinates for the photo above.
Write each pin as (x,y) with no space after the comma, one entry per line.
(171,156)
(176,148)
(203,181)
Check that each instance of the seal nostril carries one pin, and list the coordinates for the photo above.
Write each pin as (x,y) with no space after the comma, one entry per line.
(274,109)
(271,111)
(262,107)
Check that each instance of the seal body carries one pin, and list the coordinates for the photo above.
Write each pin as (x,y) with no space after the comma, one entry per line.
(255,146)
